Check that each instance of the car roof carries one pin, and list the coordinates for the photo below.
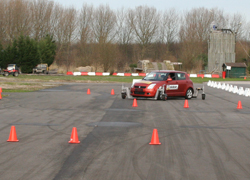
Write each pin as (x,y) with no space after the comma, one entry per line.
(169,71)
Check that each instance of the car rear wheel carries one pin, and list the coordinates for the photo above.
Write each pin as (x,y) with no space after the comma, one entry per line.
(124,95)
(189,94)
(15,74)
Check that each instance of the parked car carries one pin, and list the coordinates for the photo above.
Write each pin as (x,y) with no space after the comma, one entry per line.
(162,84)
(41,68)
(11,69)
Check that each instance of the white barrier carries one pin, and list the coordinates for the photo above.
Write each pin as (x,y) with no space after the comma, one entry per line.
(241,91)
(135,74)
(231,88)
(77,74)
(223,86)
(208,75)
(91,73)
(219,85)
(227,87)
(212,84)
(215,85)
(120,74)
(235,90)
(209,83)
(106,74)
(193,75)
(247,92)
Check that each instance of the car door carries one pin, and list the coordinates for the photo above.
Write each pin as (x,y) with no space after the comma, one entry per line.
(172,87)
(182,82)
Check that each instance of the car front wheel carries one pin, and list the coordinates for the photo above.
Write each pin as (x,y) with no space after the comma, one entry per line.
(189,94)
(6,74)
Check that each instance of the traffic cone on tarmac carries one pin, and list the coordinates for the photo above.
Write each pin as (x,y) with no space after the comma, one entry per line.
(12,136)
(112,92)
(186,104)
(155,138)
(88,91)
(74,136)
(134,103)
(239,105)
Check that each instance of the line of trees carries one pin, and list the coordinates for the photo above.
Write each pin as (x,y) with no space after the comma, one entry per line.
(115,39)
(27,52)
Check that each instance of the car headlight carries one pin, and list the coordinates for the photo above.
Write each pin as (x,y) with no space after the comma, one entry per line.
(151,86)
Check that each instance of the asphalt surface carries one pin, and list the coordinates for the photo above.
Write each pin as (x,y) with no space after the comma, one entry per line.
(208,140)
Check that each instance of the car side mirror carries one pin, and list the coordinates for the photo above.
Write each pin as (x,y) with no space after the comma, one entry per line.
(169,79)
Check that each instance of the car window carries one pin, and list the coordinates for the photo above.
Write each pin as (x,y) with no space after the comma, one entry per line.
(172,76)
(181,76)
(156,76)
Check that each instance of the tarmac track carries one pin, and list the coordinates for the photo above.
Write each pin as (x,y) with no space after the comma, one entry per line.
(208,140)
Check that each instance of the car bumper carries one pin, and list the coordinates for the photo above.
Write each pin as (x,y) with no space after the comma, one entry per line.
(142,92)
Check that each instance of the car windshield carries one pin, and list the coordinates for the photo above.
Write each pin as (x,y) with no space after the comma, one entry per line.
(156,76)
(11,65)
(41,65)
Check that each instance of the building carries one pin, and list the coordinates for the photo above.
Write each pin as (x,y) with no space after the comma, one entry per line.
(234,70)
(221,49)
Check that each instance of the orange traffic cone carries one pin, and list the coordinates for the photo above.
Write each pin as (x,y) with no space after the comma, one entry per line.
(186,104)
(239,105)
(88,92)
(112,92)
(134,103)
(245,77)
(0,95)
(155,138)
(1,90)
(12,137)
(74,136)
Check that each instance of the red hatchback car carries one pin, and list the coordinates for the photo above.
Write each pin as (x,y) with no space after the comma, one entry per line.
(160,84)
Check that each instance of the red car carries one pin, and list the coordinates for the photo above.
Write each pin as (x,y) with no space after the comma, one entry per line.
(160,84)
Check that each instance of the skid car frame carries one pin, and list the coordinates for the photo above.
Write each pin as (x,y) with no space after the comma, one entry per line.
(125,93)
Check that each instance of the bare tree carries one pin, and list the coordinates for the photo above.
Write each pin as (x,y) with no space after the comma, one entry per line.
(65,30)
(85,34)
(145,23)
(125,29)
(194,34)
(169,26)
(17,19)
(2,21)
(236,25)
(103,24)
(85,20)
(124,39)
(41,17)
(104,31)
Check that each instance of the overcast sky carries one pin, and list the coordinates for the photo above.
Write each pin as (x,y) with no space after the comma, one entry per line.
(229,6)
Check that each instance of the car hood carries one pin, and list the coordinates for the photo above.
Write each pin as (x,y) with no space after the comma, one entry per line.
(145,83)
